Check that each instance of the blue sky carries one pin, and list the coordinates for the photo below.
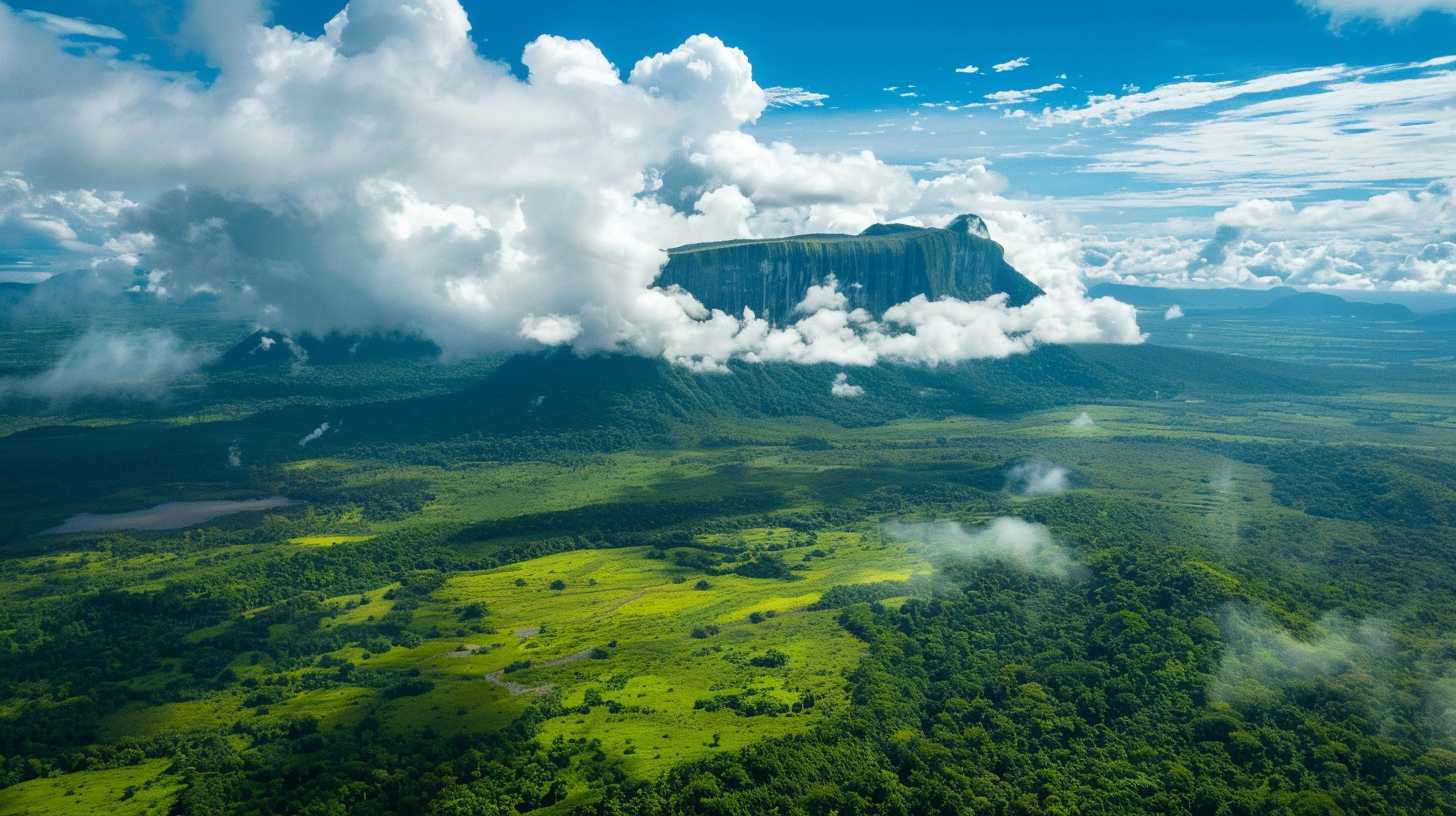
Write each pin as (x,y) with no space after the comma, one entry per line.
(852,51)
(1250,142)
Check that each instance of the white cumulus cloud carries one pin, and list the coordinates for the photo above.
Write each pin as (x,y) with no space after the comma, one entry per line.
(385,176)
(1398,240)
(1038,477)
(842,387)
(1020,96)
(1023,544)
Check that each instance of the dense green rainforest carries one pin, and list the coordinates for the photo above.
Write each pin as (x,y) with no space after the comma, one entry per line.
(1084,581)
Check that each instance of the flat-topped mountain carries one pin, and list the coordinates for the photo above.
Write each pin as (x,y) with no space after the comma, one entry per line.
(878,268)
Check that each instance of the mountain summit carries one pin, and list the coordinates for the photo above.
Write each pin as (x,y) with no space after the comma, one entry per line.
(878,268)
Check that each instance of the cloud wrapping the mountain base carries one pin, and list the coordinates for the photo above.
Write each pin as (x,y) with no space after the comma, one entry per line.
(1023,544)
(480,210)
(917,332)
(103,364)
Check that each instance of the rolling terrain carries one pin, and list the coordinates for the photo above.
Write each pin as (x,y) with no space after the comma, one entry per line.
(622,618)
(1096,574)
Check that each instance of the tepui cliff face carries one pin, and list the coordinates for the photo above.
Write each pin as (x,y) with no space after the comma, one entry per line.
(882,266)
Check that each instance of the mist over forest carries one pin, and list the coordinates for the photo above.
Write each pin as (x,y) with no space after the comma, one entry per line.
(462,409)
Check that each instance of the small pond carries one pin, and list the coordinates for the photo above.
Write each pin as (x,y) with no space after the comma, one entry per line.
(167,516)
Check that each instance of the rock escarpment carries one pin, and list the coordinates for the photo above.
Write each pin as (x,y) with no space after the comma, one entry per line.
(882,266)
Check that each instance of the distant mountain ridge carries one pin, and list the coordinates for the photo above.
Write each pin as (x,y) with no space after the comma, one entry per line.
(1280,300)
(1319,303)
(1160,296)
(1438,320)
(12,292)
(884,265)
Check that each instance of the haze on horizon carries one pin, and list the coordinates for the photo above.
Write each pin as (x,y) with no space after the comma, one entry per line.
(389,166)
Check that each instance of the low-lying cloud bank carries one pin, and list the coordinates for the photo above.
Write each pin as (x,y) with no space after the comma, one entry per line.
(1440,708)
(1399,240)
(107,364)
(1259,654)
(1023,544)
(1038,477)
(1262,660)
(384,176)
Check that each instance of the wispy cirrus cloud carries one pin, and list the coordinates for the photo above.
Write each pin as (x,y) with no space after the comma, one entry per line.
(1114,109)
(781,97)
(72,26)
(1389,12)
(1019,97)
(1332,125)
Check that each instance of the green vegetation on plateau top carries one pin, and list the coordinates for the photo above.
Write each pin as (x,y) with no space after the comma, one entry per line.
(882,266)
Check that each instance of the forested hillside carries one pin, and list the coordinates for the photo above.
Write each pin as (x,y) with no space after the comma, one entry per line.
(1089,580)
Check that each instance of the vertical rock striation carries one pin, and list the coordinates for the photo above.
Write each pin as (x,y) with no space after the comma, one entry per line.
(882,266)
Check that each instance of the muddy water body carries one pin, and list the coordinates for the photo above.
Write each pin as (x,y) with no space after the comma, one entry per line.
(168,516)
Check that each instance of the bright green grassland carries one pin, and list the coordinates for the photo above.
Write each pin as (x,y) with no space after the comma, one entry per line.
(138,790)
(425,622)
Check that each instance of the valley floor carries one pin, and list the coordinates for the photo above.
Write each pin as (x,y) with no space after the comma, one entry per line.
(631,614)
